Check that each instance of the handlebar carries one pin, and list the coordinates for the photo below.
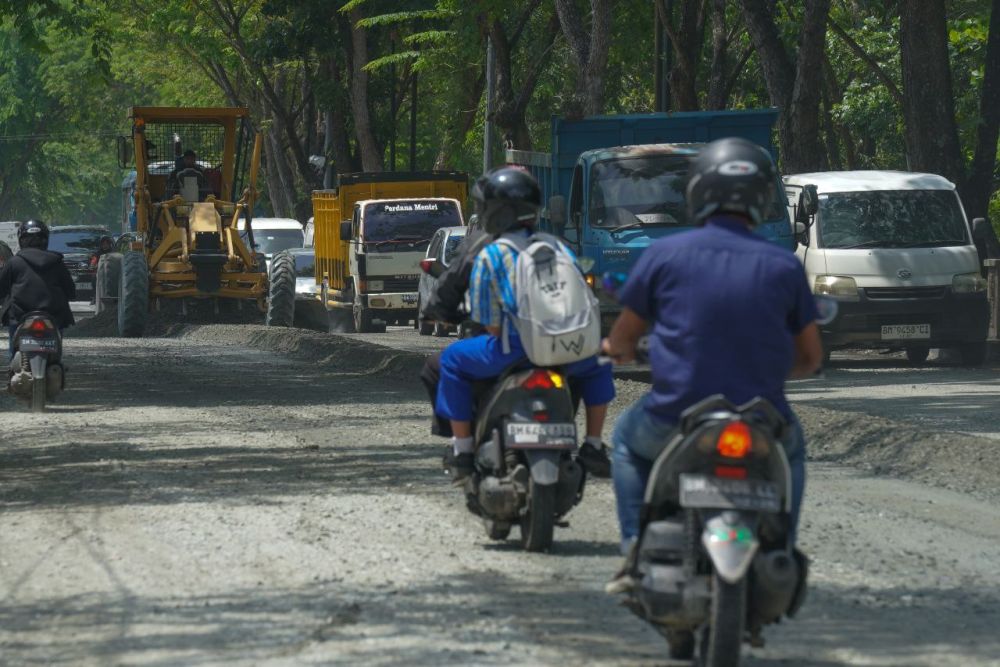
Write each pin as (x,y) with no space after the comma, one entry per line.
(641,353)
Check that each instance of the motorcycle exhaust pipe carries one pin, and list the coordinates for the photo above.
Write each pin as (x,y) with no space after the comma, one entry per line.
(775,579)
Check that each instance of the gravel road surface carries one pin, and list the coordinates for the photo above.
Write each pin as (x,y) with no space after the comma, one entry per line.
(235,494)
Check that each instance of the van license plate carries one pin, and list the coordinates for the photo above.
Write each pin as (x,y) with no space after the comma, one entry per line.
(737,494)
(535,435)
(906,331)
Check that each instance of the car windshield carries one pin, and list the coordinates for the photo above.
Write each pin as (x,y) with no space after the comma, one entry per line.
(83,240)
(644,190)
(891,219)
(270,241)
(305,266)
(411,224)
(451,247)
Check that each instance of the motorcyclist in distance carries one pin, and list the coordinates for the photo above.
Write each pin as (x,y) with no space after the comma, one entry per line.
(35,279)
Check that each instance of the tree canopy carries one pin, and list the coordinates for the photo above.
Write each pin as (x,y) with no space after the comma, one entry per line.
(859,83)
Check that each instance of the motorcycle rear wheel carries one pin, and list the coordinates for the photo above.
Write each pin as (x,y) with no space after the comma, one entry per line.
(538,525)
(722,638)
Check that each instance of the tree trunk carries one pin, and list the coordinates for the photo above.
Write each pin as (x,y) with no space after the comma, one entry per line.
(931,132)
(794,87)
(979,188)
(686,41)
(717,93)
(343,161)
(589,51)
(371,154)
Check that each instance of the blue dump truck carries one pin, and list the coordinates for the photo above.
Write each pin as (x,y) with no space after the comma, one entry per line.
(614,184)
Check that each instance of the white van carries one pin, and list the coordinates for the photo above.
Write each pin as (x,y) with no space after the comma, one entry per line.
(895,249)
(272,235)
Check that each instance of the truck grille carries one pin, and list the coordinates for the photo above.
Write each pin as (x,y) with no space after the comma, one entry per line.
(397,283)
(934,292)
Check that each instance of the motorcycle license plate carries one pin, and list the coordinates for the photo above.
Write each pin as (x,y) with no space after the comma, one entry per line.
(736,494)
(409,298)
(535,435)
(37,345)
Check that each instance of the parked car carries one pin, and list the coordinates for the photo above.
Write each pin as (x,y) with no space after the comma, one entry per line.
(272,235)
(79,245)
(443,246)
(895,249)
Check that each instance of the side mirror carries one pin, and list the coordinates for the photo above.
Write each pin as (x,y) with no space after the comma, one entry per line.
(557,212)
(801,232)
(124,147)
(345,230)
(808,201)
(979,226)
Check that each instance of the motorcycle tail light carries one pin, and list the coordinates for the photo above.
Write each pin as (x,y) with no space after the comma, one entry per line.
(735,441)
(541,379)
(93,262)
(38,325)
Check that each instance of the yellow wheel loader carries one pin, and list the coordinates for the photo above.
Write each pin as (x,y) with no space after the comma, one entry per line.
(195,178)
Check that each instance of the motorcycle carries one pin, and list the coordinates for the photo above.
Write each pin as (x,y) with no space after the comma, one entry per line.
(526,472)
(713,563)
(36,371)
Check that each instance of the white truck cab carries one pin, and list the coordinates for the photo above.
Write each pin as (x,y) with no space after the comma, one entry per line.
(896,251)
(388,238)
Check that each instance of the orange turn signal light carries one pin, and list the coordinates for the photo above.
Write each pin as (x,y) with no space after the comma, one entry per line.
(735,441)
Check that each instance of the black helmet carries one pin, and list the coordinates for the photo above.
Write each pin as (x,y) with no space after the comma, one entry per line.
(731,176)
(506,198)
(33,234)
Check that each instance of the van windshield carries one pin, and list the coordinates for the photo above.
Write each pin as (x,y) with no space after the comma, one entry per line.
(406,225)
(891,219)
(644,190)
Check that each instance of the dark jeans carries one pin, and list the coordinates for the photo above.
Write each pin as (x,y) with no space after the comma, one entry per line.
(10,341)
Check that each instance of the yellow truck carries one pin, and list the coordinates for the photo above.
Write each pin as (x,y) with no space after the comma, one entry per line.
(371,232)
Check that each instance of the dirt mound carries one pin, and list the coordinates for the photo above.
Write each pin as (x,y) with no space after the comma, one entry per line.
(161,323)
(884,447)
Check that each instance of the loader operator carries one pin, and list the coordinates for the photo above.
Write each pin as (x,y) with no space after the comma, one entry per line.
(188,167)
(507,201)
(35,279)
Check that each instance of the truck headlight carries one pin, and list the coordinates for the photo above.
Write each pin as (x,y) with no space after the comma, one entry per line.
(967,283)
(841,287)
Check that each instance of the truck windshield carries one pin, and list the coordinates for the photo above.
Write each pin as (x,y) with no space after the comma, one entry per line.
(891,219)
(644,190)
(388,225)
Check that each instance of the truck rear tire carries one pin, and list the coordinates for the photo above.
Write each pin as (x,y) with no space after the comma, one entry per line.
(973,354)
(364,321)
(133,295)
(281,295)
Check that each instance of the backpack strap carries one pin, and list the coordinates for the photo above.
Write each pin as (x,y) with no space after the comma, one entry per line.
(519,245)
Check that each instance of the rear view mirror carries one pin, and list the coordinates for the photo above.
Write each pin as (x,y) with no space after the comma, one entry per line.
(345,230)
(809,201)
(124,147)
(557,212)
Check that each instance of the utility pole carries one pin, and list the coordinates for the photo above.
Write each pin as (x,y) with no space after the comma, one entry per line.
(393,110)
(488,128)
(413,122)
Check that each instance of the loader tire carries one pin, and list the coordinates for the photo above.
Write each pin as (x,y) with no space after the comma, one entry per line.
(133,295)
(109,275)
(281,294)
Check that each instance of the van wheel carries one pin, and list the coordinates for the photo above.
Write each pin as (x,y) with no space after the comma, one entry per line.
(973,354)
(917,355)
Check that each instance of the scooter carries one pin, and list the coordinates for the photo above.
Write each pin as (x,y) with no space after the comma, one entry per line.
(36,371)
(526,472)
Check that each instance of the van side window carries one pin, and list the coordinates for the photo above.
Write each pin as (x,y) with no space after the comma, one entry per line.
(435,248)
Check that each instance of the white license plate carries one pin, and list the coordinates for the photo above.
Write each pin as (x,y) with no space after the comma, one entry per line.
(534,434)
(37,345)
(409,298)
(906,331)
(738,494)
(82,283)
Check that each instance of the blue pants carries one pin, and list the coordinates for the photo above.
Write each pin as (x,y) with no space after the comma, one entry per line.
(639,438)
(465,361)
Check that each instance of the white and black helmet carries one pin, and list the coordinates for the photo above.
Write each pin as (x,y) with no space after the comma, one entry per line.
(731,176)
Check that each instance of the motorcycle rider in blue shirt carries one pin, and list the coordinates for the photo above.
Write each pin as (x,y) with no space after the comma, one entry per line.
(727,312)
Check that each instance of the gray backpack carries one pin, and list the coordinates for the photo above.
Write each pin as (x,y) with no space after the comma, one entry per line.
(558,318)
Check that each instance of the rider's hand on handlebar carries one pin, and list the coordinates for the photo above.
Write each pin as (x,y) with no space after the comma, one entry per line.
(617,354)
